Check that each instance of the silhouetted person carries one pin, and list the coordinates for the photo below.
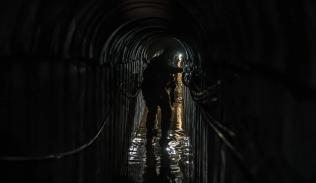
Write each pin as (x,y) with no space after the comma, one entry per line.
(157,77)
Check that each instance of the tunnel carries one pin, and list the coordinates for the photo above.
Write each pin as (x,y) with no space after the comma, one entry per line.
(72,108)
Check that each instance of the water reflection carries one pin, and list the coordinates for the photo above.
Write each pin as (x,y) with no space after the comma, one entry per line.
(152,163)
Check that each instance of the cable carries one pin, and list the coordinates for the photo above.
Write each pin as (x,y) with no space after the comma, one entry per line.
(58,155)
(236,154)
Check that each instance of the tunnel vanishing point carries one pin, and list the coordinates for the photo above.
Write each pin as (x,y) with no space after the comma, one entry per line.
(70,98)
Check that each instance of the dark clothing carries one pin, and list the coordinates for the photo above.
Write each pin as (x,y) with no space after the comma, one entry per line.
(157,76)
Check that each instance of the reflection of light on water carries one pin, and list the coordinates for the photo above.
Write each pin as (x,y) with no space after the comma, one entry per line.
(171,150)
(179,154)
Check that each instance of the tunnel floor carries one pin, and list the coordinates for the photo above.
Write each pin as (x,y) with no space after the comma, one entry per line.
(154,164)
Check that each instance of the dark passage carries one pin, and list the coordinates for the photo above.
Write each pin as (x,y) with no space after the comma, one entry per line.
(240,108)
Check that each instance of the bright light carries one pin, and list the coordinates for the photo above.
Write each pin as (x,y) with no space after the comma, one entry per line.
(180,56)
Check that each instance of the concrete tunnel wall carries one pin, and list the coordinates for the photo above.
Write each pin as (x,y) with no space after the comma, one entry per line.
(261,52)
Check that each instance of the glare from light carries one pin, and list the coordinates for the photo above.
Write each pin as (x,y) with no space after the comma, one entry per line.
(180,56)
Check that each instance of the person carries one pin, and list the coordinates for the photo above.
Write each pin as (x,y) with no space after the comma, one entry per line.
(156,78)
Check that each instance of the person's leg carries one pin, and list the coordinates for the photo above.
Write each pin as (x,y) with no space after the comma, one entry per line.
(172,92)
(151,101)
(165,117)
(150,121)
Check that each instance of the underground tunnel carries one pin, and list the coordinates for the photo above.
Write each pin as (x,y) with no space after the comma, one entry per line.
(242,109)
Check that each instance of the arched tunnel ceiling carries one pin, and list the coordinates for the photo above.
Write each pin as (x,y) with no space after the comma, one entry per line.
(236,23)
(79,29)
(236,41)
(136,9)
